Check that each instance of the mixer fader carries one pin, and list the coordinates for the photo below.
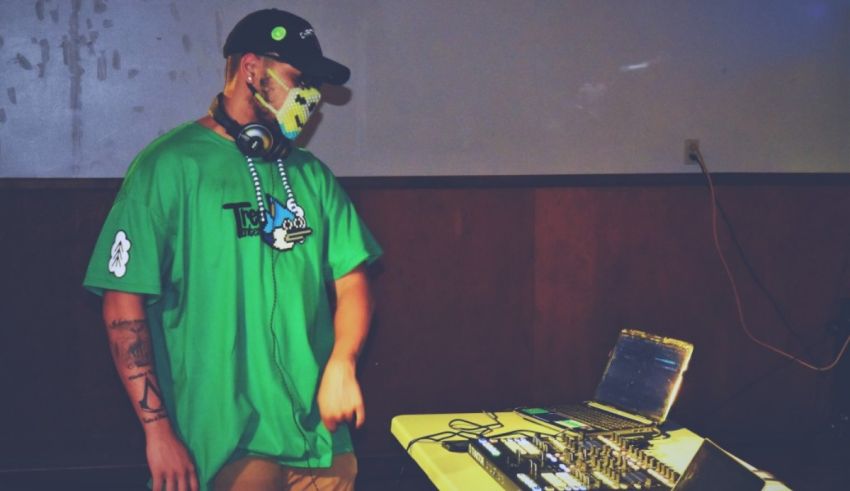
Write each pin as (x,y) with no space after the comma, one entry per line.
(568,462)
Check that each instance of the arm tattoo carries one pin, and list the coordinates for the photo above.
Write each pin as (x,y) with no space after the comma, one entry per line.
(134,348)
(131,347)
(151,401)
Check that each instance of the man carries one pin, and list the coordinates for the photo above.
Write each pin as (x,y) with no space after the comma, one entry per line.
(215,264)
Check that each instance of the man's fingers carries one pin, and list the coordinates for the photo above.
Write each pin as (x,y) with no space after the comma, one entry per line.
(183,481)
(157,481)
(330,423)
(355,415)
(360,415)
(193,480)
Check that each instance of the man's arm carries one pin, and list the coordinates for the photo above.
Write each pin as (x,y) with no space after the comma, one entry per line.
(339,396)
(129,338)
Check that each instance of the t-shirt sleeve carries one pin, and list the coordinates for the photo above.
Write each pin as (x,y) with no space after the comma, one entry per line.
(131,251)
(349,241)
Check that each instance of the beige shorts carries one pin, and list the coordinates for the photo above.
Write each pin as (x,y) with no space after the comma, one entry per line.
(257,474)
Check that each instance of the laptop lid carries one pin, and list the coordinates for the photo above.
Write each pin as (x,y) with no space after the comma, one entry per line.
(643,374)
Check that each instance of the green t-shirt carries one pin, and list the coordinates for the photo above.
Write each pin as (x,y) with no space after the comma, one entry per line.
(239,314)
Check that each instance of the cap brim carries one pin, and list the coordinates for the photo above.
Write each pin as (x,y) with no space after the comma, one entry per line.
(320,70)
(325,70)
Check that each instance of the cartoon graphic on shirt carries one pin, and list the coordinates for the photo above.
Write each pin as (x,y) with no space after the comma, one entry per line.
(284,226)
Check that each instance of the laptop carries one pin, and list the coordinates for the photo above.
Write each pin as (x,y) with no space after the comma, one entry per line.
(712,468)
(637,390)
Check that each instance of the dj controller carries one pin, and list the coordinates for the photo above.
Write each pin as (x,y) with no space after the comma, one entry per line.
(567,462)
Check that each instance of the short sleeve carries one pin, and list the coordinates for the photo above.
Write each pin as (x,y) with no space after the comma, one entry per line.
(128,255)
(131,252)
(349,241)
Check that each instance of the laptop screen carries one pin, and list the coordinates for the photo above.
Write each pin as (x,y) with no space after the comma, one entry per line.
(643,374)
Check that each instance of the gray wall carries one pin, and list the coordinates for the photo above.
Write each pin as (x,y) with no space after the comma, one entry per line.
(440,87)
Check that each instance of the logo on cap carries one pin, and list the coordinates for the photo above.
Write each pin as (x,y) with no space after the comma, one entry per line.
(278,33)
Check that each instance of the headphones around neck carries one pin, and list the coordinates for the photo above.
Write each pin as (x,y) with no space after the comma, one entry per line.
(253,139)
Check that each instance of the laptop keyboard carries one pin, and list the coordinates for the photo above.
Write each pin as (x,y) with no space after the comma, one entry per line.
(597,418)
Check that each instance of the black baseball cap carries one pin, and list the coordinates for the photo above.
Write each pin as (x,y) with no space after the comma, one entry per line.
(288,38)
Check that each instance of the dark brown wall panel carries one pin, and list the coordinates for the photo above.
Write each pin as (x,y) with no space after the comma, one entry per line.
(491,293)
(608,258)
(452,326)
(62,404)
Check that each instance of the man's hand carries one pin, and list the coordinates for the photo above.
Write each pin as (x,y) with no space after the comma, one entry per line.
(171,466)
(339,396)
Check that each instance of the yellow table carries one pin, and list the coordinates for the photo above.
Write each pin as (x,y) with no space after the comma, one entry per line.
(457,471)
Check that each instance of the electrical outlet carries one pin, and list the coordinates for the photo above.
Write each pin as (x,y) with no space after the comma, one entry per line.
(691,149)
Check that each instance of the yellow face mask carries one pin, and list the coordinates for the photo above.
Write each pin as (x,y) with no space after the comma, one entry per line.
(300,104)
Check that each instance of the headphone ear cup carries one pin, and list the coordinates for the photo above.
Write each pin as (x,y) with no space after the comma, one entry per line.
(254,140)
(280,149)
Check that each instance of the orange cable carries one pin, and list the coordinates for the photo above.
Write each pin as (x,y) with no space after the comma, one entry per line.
(737,296)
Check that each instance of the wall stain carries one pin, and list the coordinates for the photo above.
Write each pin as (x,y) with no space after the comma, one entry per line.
(174,12)
(13,97)
(187,43)
(116,60)
(99,6)
(131,74)
(107,23)
(89,25)
(39,9)
(71,50)
(45,57)
(93,35)
(54,15)
(1,41)
(219,28)
(172,75)
(23,61)
(138,109)
(2,115)
(66,45)
(101,66)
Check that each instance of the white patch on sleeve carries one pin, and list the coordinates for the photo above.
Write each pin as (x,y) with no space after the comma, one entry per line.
(120,254)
